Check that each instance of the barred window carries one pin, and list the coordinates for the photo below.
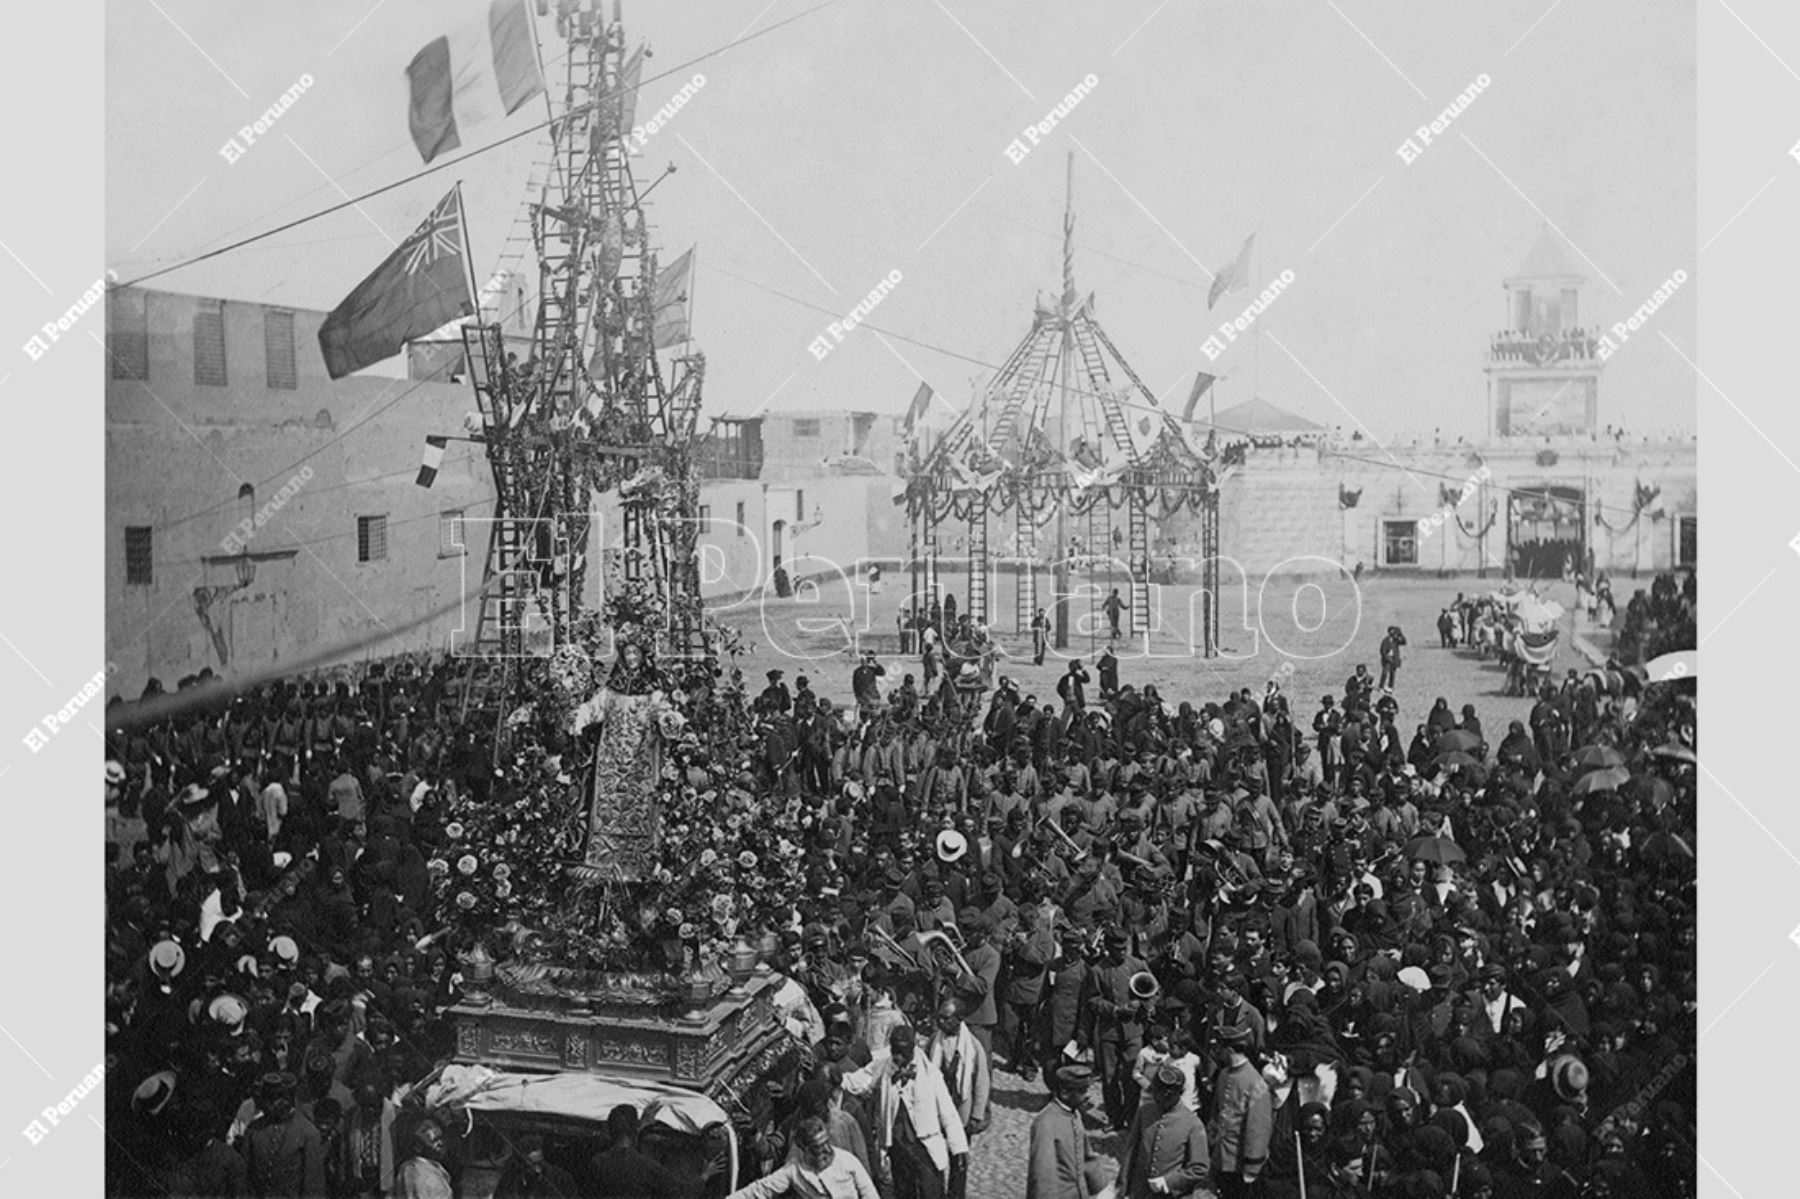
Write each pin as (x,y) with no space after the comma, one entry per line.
(740,518)
(371,538)
(209,348)
(806,427)
(450,543)
(139,569)
(278,348)
(128,333)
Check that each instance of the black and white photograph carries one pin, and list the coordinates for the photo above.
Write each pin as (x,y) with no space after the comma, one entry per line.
(959,600)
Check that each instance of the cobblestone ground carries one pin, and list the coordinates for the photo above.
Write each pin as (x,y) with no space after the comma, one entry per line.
(997,1162)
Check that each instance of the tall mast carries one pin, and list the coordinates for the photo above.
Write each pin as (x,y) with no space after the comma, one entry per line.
(1060,574)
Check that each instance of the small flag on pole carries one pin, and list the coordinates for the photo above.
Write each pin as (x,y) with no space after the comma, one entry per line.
(434,457)
(1232,276)
(629,77)
(420,286)
(478,72)
(921,404)
(671,301)
(1202,383)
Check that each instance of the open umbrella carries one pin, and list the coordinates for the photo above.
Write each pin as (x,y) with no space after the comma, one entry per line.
(1440,850)
(1455,758)
(1457,740)
(1650,789)
(1610,778)
(1597,757)
(1666,844)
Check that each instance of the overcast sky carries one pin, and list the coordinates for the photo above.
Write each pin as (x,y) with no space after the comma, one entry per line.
(869,137)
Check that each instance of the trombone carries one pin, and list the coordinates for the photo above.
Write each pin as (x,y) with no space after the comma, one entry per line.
(888,941)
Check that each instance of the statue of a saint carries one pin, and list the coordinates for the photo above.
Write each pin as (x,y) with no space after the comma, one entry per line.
(624,819)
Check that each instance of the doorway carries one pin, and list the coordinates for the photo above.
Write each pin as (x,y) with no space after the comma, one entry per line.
(1546,531)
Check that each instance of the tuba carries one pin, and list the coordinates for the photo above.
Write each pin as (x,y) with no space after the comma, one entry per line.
(945,947)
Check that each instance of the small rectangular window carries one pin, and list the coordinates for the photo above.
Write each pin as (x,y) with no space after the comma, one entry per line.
(450,534)
(1687,541)
(806,427)
(799,505)
(1402,538)
(139,568)
(705,516)
(278,348)
(740,518)
(371,538)
(128,330)
(209,347)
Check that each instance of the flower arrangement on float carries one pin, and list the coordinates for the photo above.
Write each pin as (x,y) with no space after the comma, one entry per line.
(510,874)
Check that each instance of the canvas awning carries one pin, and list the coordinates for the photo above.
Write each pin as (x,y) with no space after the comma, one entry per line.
(578,1096)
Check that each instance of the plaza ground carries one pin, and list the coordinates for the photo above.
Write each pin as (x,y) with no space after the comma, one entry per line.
(1306,635)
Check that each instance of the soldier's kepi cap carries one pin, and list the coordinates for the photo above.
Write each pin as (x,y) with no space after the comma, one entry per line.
(1074,1074)
(1169,1075)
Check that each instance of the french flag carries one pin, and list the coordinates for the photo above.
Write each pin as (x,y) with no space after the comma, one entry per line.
(472,75)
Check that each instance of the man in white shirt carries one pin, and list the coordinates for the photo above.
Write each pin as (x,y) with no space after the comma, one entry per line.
(1494,999)
(272,804)
(817,1170)
(916,1124)
(964,1066)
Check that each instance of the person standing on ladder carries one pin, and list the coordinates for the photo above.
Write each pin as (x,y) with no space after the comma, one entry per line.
(1113,607)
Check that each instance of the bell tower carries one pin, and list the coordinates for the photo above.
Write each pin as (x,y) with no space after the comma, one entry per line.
(1542,369)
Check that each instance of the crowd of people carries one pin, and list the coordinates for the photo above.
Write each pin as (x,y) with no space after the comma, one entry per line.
(1517,345)
(1271,955)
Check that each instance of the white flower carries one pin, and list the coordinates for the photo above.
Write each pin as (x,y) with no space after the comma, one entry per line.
(453,830)
(467,863)
(708,857)
(465,900)
(502,872)
(502,889)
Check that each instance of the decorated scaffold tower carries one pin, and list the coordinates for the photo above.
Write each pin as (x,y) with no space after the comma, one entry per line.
(1058,468)
(596,405)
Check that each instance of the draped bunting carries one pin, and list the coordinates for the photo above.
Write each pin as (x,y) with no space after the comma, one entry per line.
(1476,535)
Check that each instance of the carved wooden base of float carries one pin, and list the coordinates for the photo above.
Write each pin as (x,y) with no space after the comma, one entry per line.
(723,1048)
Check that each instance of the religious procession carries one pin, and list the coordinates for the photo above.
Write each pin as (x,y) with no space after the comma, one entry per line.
(535,796)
